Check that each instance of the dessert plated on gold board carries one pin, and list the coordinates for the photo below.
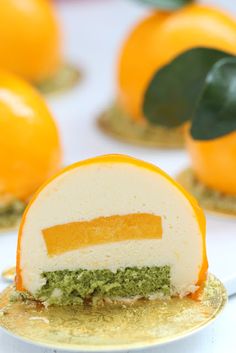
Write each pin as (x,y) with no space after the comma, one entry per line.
(154,42)
(111,255)
(30,45)
(203,102)
(30,150)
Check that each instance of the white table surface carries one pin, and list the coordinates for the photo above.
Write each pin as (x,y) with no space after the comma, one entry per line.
(93,31)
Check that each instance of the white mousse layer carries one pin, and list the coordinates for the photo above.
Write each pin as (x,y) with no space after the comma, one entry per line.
(107,189)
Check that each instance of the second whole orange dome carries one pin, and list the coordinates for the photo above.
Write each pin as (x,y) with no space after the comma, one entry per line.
(162,36)
(30,149)
(29,38)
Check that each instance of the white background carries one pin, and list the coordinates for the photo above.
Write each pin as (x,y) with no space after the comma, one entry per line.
(93,31)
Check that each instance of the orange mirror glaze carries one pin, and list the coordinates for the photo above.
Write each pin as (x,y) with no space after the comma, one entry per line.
(214,162)
(138,61)
(161,37)
(30,149)
(29,38)
(71,236)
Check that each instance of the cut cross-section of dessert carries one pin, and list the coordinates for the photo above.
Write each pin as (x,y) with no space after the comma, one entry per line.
(111,227)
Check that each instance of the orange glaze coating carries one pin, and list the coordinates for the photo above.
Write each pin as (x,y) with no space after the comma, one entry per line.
(30,150)
(29,38)
(161,37)
(214,162)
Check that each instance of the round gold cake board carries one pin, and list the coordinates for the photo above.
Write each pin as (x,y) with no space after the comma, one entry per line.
(117,124)
(212,201)
(111,327)
(65,79)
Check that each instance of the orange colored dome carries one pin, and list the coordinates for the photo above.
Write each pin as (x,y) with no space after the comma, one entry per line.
(214,162)
(30,150)
(29,38)
(162,36)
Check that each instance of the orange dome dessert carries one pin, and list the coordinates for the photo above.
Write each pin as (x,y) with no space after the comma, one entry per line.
(214,162)
(139,59)
(30,150)
(198,85)
(160,38)
(29,39)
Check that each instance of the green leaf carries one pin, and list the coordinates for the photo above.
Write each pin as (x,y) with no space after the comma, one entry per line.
(215,114)
(172,94)
(166,4)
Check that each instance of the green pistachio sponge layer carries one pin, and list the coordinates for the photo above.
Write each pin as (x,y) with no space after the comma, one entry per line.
(75,287)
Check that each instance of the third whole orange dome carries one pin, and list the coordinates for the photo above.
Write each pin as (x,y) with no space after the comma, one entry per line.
(162,36)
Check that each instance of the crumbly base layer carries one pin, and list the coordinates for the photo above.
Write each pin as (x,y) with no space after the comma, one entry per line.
(77,287)
(10,213)
(115,122)
(63,80)
(208,198)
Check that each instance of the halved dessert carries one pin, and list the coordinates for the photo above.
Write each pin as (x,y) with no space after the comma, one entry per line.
(111,227)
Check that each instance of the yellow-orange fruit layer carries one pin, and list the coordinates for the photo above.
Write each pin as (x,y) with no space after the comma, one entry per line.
(30,149)
(102,230)
(29,38)
(162,36)
(214,162)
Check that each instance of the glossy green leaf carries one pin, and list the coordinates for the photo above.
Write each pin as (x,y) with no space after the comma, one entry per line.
(215,114)
(166,4)
(172,94)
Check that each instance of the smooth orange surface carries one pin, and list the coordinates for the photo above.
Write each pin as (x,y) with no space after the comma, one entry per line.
(30,149)
(163,36)
(29,38)
(214,162)
(117,158)
(137,63)
(71,236)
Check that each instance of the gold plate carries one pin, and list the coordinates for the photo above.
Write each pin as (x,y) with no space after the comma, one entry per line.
(64,79)
(212,201)
(112,326)
(117,124)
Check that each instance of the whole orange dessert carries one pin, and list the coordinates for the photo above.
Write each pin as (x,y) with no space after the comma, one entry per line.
(29,38)
(214,162)
(162,36)
(30,150)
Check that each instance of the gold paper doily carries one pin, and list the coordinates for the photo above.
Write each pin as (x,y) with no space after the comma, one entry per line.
(4,230)
(211,200)
(9,274)
(10,215)
(66,78)
(117,124)
(112,326)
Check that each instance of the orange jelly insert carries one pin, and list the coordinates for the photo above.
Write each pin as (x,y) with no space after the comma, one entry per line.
(71,236)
